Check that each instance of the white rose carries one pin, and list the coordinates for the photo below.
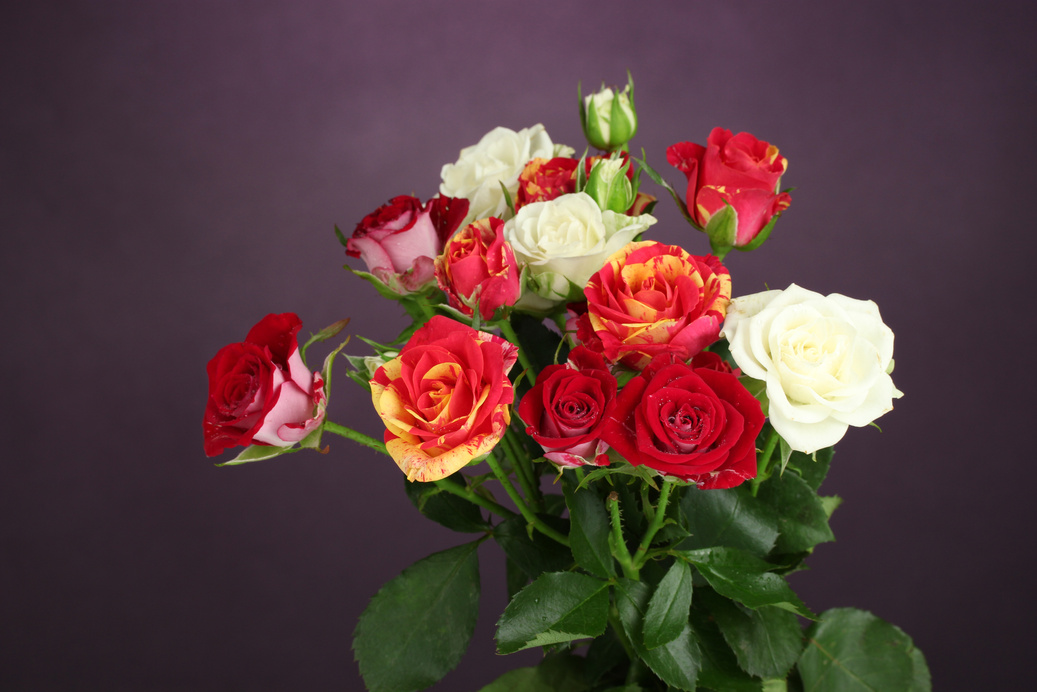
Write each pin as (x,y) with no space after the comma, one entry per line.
(561,243)
(825,361)
(499,157)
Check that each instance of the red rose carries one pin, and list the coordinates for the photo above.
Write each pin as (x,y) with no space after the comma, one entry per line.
(444,400)
(260,392)
(400,241)
(478,267)
(567,407)
(738,170)
(651,299)
(697,424)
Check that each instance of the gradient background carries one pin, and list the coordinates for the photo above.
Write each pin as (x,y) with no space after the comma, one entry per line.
(171,172)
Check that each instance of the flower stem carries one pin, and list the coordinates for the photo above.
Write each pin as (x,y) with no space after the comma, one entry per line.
(467,493)
(641,555)
(762,466)
(533,519)
(619,546)
(508,333)
(355,436)
(523,469)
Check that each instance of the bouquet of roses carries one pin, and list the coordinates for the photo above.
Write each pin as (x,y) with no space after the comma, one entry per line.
(645,448)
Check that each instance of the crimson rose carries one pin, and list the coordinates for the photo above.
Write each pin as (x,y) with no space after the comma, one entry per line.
(567,407)
(260,392)
(697,424)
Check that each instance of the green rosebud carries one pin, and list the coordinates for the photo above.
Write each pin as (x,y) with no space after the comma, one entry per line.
(609,186)
(608,117)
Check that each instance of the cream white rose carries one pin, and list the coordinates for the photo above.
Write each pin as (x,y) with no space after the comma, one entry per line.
(825,361)
(499,157)
(561,243)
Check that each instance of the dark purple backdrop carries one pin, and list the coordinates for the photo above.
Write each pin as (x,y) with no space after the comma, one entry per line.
(171,172)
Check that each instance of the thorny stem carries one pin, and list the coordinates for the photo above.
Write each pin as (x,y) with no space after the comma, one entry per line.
(529,516)
(468,494)
(619,547)
(641,555)
(355,436)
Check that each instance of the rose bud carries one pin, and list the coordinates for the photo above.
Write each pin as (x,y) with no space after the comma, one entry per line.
(696,424)
(445,399)
(567,407)
(610,186)
(478,269)
(260,391)
(400,240)
(733,189)
(608,117)
(651,299)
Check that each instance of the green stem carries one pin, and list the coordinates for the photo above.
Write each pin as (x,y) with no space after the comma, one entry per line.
(764,462)
(508,332)
(533,519)
(355,436)
(467,493)
(523,469)
(619,548)
(641,556)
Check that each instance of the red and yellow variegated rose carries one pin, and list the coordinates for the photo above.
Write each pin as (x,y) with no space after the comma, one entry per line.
(737,170)
(445,399)
(545,179)
(478,268)
(651,299)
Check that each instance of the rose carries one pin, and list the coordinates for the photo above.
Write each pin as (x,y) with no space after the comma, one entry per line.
(400,240)
(825,361)
(562,242)
(649,299)
(478,268)
(260,391)
(696,424)
(497,158)
(737,170)
(567,408)
(542,180)
(444,400)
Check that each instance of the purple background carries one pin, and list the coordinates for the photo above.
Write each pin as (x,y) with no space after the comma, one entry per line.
(171,172)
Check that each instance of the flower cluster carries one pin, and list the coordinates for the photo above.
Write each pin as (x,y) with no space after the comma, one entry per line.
(549,336)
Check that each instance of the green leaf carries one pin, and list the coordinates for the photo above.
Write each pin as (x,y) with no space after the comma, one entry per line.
(557,607)
(417,627)
(767,642)
(589,533)
(658,180)
(677,662)
(812,467)
(731,517)
(258,453)
(445,508)
(667,613)
(802,520)
(851,650)
(720,670)
(745,578)
(557,673)
(537,554)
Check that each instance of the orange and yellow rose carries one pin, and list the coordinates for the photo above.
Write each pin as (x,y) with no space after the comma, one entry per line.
(650,299)
(445,399)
